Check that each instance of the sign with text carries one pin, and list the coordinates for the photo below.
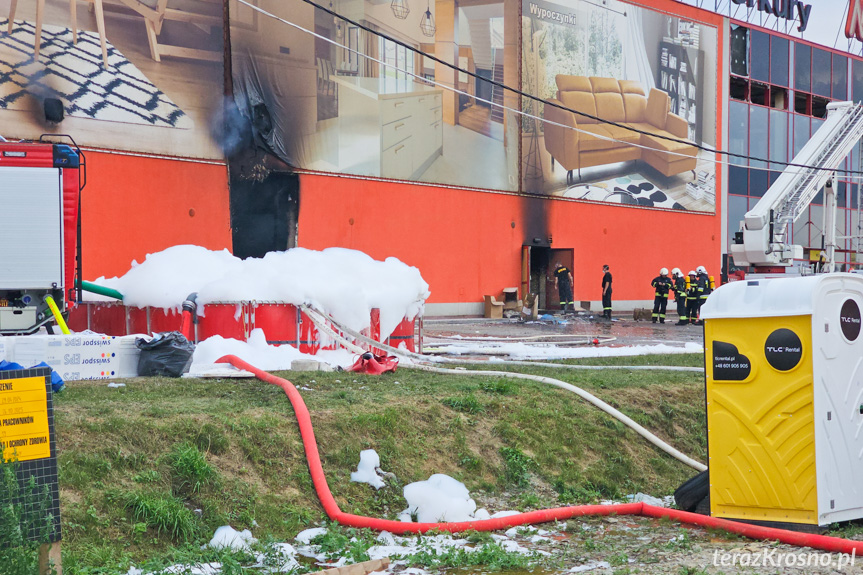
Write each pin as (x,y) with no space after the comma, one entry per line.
(24,432)
(27,440)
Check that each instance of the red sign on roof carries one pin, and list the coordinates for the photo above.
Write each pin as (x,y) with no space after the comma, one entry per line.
(854,21)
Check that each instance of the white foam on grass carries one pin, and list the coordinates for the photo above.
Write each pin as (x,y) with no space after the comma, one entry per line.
(527,351)
(344,283)
(228,537)
(439,498)
(590,566)
(305,537)
(366,470)
(257,352)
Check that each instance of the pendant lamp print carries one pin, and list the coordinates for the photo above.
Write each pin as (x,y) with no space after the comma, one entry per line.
(427,22)
(400,9)
(337,22)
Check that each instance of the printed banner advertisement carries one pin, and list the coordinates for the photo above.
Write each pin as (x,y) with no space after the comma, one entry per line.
(633,114)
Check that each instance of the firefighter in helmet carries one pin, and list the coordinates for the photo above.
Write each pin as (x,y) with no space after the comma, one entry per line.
(705,288)
(661,286)
(679,281)
(692,296)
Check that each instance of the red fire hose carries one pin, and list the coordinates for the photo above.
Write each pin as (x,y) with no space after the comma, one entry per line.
(822,542)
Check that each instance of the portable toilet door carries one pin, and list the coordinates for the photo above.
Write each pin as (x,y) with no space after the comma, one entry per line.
(784,387)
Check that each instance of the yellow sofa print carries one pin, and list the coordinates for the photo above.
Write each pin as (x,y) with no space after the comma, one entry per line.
(595,143)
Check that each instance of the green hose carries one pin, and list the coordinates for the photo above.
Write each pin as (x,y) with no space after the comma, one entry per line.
(101,290)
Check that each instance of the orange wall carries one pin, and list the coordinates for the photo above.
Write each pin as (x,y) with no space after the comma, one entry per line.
(464,244)
(135,205)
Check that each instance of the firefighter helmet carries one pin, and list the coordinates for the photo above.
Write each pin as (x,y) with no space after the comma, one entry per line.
(692,273)
(676,272)
(663,272)
(701,269)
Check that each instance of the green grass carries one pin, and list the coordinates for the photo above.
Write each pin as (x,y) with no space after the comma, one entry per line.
(231,448)
(351,543)
(190,468)
(24,520)
(489,555)
(517,466)
(164,513)
(464,404)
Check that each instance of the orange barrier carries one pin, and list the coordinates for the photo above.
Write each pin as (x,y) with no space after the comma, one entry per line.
(319,480)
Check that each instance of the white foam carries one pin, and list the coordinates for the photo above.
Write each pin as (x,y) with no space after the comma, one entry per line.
(305,537)
(227,536)
(257,352)
(345,283)
(527,351)
(365,473)
(440,498)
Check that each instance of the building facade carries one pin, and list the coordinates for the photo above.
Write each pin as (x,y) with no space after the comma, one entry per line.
(480,141)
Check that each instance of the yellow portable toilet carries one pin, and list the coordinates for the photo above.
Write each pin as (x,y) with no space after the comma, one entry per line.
(784,369)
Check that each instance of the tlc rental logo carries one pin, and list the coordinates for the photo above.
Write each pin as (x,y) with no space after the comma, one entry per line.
(854,21)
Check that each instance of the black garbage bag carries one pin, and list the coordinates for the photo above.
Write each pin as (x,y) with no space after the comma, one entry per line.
(167,354)
(693,491)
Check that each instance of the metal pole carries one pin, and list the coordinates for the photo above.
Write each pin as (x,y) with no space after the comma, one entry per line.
(859,238)
(830,225)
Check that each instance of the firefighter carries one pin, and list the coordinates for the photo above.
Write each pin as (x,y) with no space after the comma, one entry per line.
(692,297)
(661,286)
(606,292)
(680,295)
(563,283)
(705,287)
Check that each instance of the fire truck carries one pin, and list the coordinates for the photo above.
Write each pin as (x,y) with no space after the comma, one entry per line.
(762,241)
(40,232)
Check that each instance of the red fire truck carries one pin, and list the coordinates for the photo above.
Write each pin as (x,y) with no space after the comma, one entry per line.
(40,202)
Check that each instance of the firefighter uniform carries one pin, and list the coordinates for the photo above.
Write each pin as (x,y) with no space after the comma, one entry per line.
(705,287)
(680,298)
(563,279)
(606,293)
(692,297)
(661,286)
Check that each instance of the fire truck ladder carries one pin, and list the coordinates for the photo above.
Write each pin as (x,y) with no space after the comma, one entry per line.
(813,179)
(763,239)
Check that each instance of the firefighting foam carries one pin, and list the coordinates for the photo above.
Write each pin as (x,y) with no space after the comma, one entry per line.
(345,283)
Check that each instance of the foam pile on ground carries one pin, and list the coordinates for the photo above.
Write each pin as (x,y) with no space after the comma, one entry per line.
(440,498)
(527,351)
(279,558)
(367,469)
(400,549)
(345,283)
(257,352)
(228,537)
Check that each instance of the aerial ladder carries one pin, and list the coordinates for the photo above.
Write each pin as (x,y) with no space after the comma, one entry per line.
(763,241)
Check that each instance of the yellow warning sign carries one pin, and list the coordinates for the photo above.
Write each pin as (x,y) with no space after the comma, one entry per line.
(24,433)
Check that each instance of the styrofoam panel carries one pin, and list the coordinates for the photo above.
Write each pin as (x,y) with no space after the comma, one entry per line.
(77,357)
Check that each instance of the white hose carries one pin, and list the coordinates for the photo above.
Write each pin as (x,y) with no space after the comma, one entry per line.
(431,359)
(319,321)
(510,339)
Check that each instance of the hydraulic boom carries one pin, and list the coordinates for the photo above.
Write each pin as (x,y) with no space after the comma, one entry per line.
(762,240)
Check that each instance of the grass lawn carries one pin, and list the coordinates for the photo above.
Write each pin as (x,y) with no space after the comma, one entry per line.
(152,469)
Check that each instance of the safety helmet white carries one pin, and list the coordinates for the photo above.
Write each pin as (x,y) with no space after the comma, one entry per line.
(692,273)
(676,272)
(663,272)
(701,269)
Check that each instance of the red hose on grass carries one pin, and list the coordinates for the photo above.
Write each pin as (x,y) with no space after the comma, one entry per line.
(822,542)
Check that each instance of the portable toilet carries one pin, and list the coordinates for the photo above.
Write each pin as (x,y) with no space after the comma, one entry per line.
(784,371)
